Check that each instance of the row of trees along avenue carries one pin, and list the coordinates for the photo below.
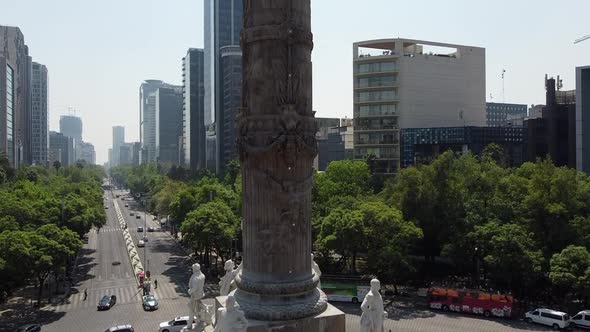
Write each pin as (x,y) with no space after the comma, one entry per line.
(461,217)
(44,214)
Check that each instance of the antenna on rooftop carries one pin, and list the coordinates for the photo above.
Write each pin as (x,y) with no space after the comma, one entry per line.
(503,94)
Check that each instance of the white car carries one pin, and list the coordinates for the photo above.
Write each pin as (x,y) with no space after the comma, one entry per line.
(141,243)
(555,319)
(582,319)
(174,325)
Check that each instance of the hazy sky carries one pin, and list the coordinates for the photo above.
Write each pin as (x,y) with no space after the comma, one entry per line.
(99,52)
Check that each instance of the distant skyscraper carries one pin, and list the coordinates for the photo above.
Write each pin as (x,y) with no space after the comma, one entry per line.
(193,112)
(168,124)
(399,83)
(231,90)
(118,141)
(223,24)
(15,96)
(71,126)
(87,153)
(125,154)
(40,124)
(135,153)
(147,119)
(61,148)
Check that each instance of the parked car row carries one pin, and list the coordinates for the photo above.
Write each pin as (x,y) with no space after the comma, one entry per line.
(557,319)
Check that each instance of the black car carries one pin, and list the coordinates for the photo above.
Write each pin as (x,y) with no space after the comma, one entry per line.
(107,302)
(150,229)
(29,328)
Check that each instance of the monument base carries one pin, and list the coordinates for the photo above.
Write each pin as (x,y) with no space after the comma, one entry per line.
(331,320)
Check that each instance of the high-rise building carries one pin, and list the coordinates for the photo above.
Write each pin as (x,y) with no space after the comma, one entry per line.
(71,126)
(583,119)
(169,124)
(87,153)
(118,141)
(126,154)
(403,83)
(135,153)
(231,91)
(193,114)
(223,25)
(61,148)
(502,114)
(147,119)
(40,115)
(15,96)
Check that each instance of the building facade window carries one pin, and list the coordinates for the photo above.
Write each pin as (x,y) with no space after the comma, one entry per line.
(367,96)
(376,67)
(377,81)
(377,110)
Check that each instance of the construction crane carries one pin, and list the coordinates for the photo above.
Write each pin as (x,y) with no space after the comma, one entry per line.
(579,40)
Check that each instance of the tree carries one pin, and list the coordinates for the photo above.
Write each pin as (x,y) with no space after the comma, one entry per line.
(389,240)
(570,270)
(56,165)
(212,226)
(509,254)
(232,170)
(343,232)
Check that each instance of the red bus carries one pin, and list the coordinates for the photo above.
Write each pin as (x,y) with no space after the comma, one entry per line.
(471,301)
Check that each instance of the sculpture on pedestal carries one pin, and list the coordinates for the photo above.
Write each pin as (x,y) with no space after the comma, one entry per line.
(197,310)
(316,269)
(227,281)
(277,145)
(230,318)
(373,314)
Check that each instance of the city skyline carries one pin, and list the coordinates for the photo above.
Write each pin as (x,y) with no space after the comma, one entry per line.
(106,55)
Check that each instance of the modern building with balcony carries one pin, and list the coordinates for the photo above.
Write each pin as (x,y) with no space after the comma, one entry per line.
(403,83)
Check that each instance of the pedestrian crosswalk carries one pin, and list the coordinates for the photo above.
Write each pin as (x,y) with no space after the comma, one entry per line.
(109,229)
(125,295)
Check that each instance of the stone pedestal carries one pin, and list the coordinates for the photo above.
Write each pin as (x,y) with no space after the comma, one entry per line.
(330,320)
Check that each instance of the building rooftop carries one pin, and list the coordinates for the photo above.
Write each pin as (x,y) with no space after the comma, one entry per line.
(407,47)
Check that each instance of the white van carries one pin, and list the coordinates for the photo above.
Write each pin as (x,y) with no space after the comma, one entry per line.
(555,319)
(582,319)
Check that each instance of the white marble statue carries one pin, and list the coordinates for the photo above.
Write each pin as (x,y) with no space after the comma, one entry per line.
(226,282)
(196,292)
(230,318)
(316,269)
(372,307)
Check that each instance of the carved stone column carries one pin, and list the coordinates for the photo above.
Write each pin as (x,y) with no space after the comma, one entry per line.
(276,141)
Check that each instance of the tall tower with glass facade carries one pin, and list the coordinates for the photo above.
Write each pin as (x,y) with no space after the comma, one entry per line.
(193,113)
(40,115)
(223,24)
(15,96)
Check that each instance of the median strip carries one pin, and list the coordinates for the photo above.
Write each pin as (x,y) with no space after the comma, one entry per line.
(131,249)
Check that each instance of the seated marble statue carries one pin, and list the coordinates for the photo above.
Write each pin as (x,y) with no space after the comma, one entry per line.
(372,307)
(230,318)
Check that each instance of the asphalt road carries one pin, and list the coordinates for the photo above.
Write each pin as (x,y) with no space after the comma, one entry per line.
(168,264)
(105,269)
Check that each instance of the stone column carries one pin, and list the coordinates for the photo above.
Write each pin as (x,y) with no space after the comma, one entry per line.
(276,142)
